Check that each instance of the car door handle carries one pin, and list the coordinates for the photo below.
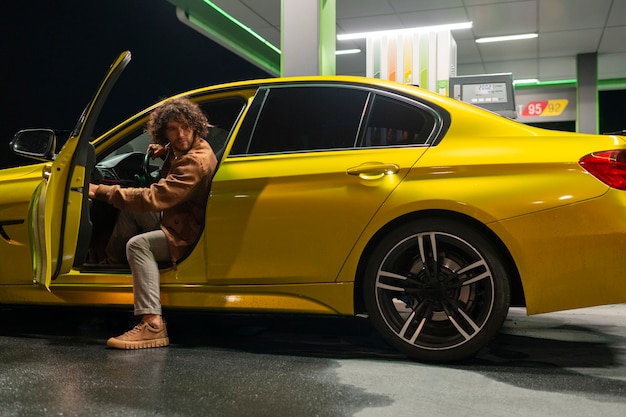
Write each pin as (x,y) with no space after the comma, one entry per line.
(373,170)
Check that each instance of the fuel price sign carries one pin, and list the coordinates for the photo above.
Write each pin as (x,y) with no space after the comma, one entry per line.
(543,108)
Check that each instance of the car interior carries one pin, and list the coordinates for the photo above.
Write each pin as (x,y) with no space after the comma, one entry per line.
(127,164)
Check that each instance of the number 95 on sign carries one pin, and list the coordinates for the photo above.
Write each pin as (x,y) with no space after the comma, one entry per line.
(545,108)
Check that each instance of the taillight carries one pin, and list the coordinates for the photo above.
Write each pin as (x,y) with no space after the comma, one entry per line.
(607,166)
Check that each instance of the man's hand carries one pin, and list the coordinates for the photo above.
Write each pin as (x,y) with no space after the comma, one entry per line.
(92,190)
(155,150)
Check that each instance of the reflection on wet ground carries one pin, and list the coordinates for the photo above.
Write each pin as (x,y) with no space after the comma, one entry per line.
(54,361)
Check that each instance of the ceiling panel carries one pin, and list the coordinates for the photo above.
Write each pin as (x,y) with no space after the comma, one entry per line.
(467,52)
(270,34)
(433,17)
(558,15)
(362,8)
(611,66)
(504,19)
(502,51)
(471,69)
(524,68)
(403,6)
(614,40)
(246,15)
(483,2)
(369,23)
(269,10)
(617,14)
(552,44)
(551,69)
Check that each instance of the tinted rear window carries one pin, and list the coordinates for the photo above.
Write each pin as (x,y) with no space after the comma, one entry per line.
(308,118)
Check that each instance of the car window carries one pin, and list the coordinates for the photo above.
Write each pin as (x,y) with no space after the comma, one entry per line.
(131,148)
(394,122)
(222,114)
(123,162)
(136,141)
(305,118)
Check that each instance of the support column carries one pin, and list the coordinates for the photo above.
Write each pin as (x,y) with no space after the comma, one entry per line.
(307,37)
(587,93)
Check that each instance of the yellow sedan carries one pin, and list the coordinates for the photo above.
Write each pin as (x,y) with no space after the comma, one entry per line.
(338,196)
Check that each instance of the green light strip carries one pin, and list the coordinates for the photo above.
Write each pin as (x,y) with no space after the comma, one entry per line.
(207,18)
(241,25)
(610,84)
(546,84)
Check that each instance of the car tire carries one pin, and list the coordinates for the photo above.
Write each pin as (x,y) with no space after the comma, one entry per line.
(440,308)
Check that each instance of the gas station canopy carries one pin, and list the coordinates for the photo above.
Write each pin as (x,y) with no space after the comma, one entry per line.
(565,29)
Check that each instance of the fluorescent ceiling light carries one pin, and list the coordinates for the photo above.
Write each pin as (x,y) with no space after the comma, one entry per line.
(507,38)
(347,51)
(526,81)
(453,26)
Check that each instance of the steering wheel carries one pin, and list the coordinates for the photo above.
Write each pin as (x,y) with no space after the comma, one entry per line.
(146,177)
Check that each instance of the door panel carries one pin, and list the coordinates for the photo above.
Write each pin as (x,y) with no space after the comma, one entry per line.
(58,213)
(294,218)
(309,168)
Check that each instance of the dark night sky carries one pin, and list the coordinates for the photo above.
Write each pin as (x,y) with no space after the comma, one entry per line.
(55,53)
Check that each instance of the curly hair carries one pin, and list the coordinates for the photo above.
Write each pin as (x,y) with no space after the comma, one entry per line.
(181,110)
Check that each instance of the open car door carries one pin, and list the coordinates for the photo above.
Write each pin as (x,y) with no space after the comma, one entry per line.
(60,227)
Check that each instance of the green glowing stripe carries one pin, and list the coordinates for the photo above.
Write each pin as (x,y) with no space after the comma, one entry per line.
(230,33)
(610,84)
(242,26)
(546,84)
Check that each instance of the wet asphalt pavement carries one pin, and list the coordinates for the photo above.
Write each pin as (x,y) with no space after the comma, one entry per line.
(53,362)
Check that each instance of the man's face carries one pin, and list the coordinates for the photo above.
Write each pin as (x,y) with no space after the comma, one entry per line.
(180,136)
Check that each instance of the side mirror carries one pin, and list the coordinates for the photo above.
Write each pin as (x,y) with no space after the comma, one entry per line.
(35,143)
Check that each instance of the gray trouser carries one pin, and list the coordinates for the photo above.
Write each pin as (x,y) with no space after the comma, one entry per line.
(139,238)
(143,252)
(127,225)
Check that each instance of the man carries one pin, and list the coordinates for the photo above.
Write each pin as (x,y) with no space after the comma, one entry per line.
(177,127)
